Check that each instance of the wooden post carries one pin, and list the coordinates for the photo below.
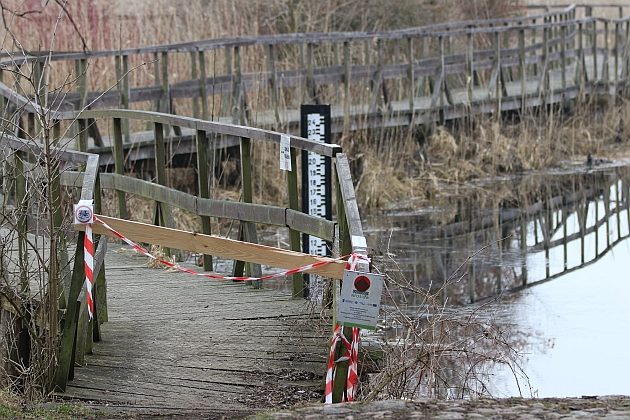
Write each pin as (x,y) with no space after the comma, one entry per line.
(495,80)
(22,206)
(204,190)
(119,166)
(440,88)
(594,48)
(194,75)
(165,88)
(124,95)
(617,47)
(523,243)
(82,326)
(249,229)
(294,235)
(81,126)
(563,58)
(426,87)
(156,77)
(605,65)
(273,82)
(311,88)
(411,83)
(238,116)
(470,68)
(544,76)
(203,92)
(65,359)
(522,69)
(346,85)
(345,248)
(580,68)
(100,281)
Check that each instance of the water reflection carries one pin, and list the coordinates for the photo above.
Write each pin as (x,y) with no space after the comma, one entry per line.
(507,236)
(500,240)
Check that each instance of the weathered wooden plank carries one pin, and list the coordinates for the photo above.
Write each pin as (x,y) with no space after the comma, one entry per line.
(226,248)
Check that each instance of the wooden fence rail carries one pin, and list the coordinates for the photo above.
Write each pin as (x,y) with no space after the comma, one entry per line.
(345,234)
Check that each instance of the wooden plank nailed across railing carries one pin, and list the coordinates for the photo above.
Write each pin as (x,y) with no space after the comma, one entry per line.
(214,245)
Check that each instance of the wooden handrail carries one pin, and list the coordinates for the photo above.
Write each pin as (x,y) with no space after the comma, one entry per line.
(286,39)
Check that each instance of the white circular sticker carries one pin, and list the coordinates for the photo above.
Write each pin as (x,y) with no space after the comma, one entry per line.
(83,214)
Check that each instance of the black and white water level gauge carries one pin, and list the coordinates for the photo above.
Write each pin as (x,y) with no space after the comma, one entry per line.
(316,175)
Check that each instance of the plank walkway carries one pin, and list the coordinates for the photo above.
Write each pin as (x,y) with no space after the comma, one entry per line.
(176,341)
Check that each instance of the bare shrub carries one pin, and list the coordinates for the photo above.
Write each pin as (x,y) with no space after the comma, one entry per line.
(433,350)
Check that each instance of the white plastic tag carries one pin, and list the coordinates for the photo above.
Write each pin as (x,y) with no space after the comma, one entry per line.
(285,153)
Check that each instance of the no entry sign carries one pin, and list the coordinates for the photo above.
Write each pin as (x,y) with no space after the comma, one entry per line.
(360,300)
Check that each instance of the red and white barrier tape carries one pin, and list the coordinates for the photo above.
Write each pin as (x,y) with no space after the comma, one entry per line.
(88,259)
(169,264)
(351,351)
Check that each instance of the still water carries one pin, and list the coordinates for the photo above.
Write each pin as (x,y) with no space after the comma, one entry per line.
(550,266)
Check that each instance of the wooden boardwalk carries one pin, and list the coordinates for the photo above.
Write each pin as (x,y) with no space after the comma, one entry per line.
(177,341)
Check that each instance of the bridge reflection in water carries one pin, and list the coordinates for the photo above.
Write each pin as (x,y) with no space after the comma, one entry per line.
(507,236)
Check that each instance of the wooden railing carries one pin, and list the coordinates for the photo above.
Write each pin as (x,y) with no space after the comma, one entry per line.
(77,333)
(376,71)
(452,65)
(345,234)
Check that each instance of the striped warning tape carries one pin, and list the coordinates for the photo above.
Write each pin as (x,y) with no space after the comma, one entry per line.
(351,352)
(88,260)
(178,267)
(351,348)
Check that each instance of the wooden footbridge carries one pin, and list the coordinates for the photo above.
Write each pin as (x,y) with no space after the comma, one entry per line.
(173,340)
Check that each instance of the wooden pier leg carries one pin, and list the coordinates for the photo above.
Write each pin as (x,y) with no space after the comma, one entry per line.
(594,49)
(203,91)
(194,75)
(346,86)
(65,359)
(522,70)
(249,229)
(470,69)
(411,83)
(119,166)
(204,190)
(299,288)
(273,83)
(313,94)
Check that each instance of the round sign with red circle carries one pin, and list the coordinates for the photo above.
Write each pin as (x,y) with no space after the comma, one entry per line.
(362,283)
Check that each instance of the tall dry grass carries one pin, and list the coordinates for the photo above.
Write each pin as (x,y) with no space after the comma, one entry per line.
(390,165)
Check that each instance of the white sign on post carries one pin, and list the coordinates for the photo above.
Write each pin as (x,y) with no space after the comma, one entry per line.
(84,212)
(360,300)
(285,153)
